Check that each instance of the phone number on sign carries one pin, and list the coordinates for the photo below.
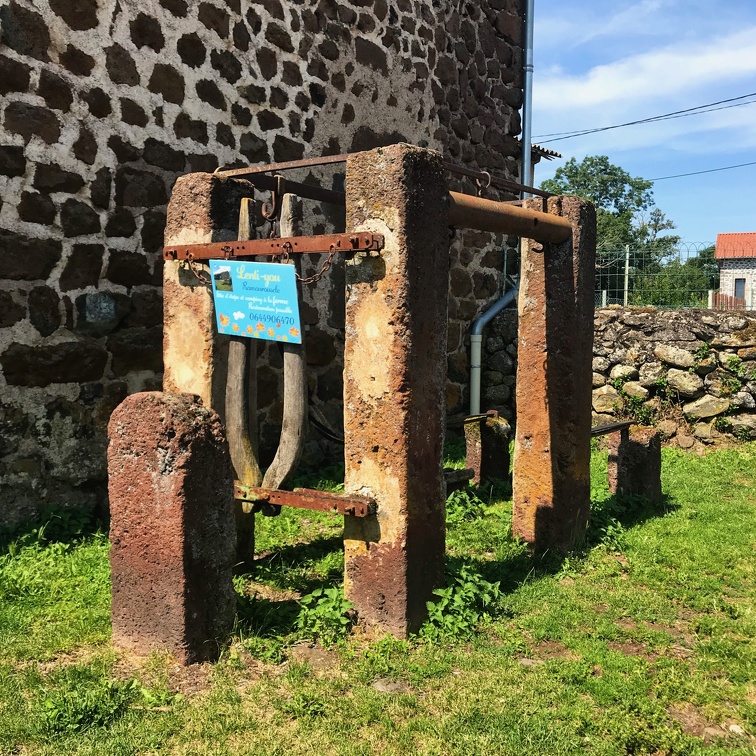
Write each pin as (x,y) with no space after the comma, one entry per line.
(277,319)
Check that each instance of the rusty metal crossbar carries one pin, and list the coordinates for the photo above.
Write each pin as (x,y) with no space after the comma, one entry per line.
(232,250)
(460,170)
(466,211)
(287,166)
(307,498)
(268,183)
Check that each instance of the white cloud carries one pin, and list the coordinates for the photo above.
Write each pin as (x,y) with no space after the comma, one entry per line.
(633,19)
(602,64)
(238,316)
(654,75)
(562,25)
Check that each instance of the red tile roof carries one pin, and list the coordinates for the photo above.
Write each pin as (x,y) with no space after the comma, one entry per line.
(735,245)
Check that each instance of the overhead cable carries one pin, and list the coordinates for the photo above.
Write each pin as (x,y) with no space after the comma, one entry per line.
(697,173)
(698,110)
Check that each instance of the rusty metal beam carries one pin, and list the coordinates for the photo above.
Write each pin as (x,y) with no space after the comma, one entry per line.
(460,170)
(287,166)
(466,211)
(268,183)
(499,183)
(231,250)
(307,498)
(604,430)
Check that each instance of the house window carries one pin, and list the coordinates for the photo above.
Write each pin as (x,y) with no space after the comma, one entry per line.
(740,288)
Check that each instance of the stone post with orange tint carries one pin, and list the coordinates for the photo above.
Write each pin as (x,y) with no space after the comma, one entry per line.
(171,528)
(394,384)
(551,481)
(203,208)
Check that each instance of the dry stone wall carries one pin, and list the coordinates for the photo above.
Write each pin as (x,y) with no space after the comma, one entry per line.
(692,373)
(103,103)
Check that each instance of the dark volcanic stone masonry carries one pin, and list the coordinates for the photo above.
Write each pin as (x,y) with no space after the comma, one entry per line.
(104,104)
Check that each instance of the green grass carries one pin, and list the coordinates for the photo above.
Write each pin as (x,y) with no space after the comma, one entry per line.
(643,642)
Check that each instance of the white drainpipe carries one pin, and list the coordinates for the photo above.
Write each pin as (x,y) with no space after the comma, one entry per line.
(476,335)
(476,346)
(527,100)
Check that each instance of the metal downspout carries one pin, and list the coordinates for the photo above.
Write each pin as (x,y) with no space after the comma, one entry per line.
(476,333)
(476,345)
(527,104)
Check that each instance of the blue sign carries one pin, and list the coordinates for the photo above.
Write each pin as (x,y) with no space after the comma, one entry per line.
(257,300)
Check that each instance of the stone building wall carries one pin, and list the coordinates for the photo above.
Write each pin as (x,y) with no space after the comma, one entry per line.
(732,268)
(692,373)
(103,103)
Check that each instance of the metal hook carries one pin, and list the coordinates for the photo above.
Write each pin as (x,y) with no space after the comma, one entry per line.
(479,183)
(272,211)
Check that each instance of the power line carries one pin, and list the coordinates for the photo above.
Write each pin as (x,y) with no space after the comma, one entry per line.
(658,119)
(561,135)
(674,113)
(697,173)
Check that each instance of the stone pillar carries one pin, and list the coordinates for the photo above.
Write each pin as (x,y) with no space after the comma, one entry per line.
(203,208)
(394,384)
(634,466)
(487,446)
(551,483)
(171,528)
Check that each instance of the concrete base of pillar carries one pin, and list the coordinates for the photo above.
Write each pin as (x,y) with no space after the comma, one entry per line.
(172,527)
(487,448)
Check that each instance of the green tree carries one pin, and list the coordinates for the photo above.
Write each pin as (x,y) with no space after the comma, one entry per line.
(625,210)
(676,283)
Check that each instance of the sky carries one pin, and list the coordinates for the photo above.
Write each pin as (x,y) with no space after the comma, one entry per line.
(598,64)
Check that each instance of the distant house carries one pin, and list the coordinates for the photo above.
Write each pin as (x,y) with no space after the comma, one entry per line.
(736,257)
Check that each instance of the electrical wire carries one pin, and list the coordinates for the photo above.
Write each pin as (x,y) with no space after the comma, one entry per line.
(698,110)
(698,173)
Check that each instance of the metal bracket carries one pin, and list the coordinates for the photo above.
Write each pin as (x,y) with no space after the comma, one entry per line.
(604,430)
(307,498)
(239,250)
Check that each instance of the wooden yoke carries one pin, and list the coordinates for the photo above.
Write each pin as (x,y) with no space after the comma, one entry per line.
(241,412)
(294,425)
(241,401)
(212,217)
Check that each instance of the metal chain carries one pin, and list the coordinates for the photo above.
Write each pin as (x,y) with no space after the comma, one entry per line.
(323,269)
(199,273)
(284,257)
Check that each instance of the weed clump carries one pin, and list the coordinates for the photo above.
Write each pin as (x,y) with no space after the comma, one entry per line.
(463,605)
(326,616)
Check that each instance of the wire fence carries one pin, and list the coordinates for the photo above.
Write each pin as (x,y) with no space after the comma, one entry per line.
(683,276)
